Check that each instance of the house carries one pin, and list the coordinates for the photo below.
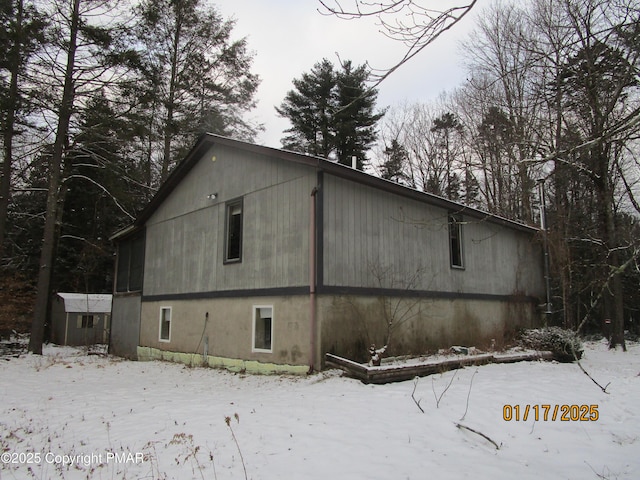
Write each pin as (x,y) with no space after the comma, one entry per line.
(255,258)
(80,318)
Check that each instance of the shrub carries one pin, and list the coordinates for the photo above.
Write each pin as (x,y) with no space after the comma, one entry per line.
(563,343)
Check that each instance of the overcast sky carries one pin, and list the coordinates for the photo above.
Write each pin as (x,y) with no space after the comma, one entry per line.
(288,37)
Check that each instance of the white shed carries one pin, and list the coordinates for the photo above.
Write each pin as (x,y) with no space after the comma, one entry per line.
(80,318)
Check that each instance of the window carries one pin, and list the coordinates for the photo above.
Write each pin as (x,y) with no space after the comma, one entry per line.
(233,232)
(262,329)
(455,241)
(165,324)
(85,321)
(130,265)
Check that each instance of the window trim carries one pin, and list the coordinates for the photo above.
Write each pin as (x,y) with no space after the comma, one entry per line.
(455,221)
(227,232)
(170,310)
(255,312)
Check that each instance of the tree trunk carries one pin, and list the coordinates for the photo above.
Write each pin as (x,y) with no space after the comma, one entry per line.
(614,289)
(168,128)
(53,195)
(9,126)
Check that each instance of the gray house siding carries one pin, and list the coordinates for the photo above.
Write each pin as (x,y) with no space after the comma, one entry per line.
(125,328)
(376,239)
(185,236)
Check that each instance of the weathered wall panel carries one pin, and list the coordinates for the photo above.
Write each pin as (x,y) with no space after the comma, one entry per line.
(125,326)
(185,236)
(377,239)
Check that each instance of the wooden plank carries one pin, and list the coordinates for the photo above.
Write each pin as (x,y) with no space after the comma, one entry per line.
(522,357)
(398,373)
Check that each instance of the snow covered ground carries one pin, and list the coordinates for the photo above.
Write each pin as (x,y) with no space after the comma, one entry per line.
(75,416)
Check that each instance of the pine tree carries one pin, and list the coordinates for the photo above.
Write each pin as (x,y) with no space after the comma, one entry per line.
(395,162)
(21,33)
(332,113)
(310,109)
(354,120)
(194,78)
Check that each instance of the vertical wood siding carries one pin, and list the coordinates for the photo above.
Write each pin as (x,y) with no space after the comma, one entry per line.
(185,236)
(378,239)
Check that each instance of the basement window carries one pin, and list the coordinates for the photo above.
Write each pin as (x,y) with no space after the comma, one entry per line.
(455,241)
(165,324)
(233,232)
(262,329)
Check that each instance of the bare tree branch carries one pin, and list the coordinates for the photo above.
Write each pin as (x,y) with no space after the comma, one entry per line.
(410,22)
(459,425)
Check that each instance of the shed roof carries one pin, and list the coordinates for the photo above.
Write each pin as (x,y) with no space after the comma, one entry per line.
(207,140)
(86,302)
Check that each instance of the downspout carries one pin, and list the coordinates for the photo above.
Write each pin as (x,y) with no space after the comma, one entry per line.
(312,280)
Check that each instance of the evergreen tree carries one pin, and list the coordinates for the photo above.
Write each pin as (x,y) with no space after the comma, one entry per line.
(310,109)
(354,119)
(21,33)
(395,160)
(331,113)
(194,78)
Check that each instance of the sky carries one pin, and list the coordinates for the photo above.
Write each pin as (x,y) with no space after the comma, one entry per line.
(288,37)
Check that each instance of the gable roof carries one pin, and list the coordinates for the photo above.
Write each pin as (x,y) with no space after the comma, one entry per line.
(207,140)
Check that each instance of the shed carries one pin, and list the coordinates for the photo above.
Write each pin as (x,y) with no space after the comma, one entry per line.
(81,318)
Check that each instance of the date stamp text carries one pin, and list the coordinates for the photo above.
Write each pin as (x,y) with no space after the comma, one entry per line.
(546,413)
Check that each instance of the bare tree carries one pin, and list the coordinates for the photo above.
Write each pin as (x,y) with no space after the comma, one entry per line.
(80,51)
(430,136)
(500,61)
(598,88)
(414,23)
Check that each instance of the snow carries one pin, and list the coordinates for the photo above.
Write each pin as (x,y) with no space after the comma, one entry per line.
(120,419)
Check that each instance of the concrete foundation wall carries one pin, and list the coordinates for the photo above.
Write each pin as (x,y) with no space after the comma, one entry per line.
(349,324)
(224,328)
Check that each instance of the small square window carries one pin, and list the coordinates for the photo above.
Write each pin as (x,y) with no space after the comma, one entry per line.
(233,232)
(165,324)
(262,329)
(85,321)
(455,241)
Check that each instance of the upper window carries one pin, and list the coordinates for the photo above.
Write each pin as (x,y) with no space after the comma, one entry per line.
(233,232)
(455,241)
(165,324)
(262,329)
